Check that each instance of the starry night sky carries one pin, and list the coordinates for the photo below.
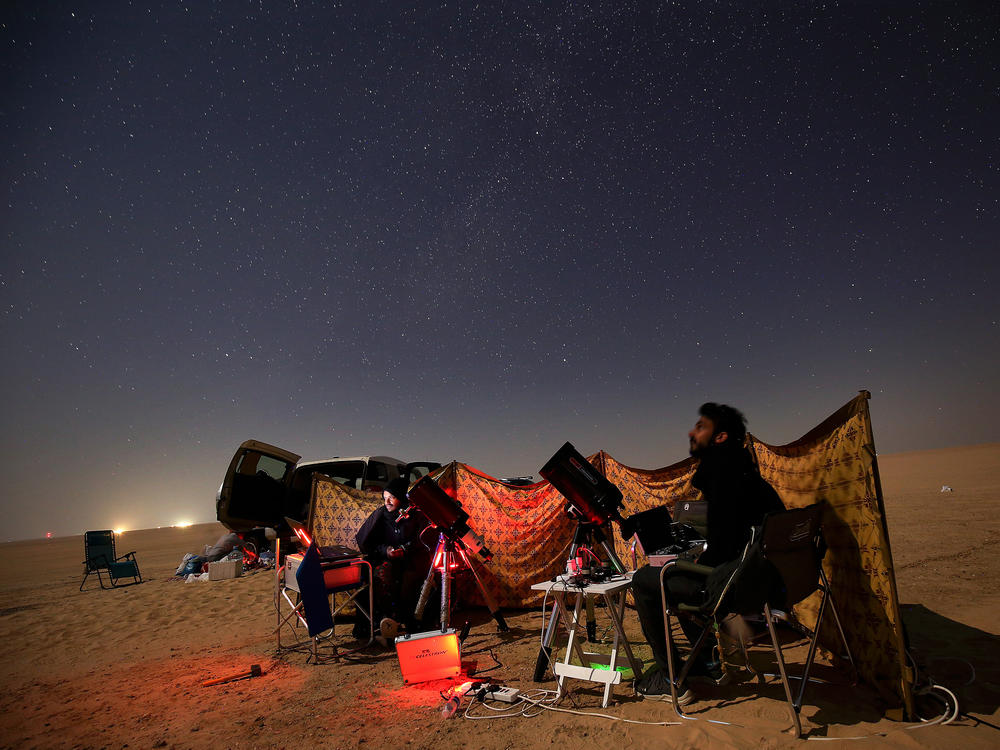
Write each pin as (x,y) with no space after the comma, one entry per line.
(469,231)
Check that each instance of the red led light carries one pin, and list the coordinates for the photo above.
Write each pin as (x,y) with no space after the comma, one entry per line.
(439,561)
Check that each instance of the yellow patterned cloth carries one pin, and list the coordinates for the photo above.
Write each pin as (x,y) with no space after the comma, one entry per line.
(530,534)
(836,463)
(526,528)
(337,512)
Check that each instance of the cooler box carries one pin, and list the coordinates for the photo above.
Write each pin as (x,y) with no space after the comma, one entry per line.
(223,569)
(428,656)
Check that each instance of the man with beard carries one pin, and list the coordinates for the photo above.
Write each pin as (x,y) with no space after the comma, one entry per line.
(399,559)
(738,498)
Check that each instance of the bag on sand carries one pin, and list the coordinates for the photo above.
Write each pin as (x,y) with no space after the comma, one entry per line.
(191,563)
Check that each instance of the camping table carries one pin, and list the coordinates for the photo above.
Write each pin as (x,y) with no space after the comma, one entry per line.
(613,592)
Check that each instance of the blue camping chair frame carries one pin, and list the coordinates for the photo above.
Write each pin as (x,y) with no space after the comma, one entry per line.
(99,550)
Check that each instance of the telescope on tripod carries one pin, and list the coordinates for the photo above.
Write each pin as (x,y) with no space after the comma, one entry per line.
(593,502)
(456,540)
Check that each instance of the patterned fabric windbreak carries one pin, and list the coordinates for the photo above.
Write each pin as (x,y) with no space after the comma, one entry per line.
(529,532)
(836,463)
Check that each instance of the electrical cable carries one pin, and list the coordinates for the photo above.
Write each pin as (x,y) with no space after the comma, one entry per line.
(541,705)
(949,702)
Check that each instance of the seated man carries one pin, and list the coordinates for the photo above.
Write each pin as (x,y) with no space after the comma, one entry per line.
(399,559)
(738,498)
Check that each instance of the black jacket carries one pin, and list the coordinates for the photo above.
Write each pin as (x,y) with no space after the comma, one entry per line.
(381,531)
(738,499)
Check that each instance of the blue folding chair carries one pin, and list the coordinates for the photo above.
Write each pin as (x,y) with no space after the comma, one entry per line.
(99,549)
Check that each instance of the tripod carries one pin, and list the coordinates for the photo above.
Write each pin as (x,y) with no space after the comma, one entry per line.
(590,535)
(449,552)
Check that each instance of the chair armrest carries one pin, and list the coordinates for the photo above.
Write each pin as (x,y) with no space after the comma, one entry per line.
(683,566)
(689,567)
(126,555)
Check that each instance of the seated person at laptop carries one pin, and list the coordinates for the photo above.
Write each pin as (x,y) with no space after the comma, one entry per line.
(738,498)
(399,559)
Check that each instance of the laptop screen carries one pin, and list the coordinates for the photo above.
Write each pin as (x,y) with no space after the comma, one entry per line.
(692,512)
(653,529)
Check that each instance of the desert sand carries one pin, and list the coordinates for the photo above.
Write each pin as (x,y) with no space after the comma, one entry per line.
(125,667)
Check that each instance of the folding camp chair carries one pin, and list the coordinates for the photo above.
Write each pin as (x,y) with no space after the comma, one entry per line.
(310,589)
(792,543)
(99,549)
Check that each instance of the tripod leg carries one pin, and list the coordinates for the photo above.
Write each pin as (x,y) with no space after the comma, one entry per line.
(491,603)
(609,550)
(425,590)
(445,589)
(545,651)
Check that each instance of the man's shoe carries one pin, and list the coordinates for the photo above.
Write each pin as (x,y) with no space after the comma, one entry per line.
(711,671)
(656,687)
(389,629)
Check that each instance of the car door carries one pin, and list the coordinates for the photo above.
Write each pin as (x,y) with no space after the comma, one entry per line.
(253,491)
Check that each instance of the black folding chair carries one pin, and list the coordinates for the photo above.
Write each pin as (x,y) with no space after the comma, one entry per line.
(788,550)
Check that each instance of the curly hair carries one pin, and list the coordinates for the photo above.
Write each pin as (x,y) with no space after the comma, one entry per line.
(726,419)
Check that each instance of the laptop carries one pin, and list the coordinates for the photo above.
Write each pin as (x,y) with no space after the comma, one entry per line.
(662,539)
(693,513)
(652,527)
(328,553)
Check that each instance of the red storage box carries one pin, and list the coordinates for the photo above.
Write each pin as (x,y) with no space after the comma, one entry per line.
(428,656)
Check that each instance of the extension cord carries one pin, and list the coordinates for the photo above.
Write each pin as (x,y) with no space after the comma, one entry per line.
(505,694)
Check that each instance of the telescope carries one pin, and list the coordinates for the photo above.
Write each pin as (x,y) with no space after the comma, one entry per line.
(447,515)
(590,497)
(592,501)
(455,539)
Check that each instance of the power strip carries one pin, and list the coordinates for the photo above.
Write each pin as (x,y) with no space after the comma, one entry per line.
(505,694)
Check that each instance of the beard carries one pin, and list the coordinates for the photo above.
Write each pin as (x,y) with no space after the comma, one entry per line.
(697,450)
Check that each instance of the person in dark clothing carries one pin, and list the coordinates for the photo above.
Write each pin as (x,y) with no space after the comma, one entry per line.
(738,499)
(399,559)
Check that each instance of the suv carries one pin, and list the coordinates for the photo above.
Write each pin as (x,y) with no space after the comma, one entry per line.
(264,483)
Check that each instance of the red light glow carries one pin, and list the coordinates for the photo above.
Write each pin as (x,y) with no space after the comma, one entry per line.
(439,561)
(303,536)
(430,656)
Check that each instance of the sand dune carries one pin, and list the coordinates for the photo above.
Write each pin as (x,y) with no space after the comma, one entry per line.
(125,667)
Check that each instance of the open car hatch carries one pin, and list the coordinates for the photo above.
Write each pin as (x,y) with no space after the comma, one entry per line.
(254,490)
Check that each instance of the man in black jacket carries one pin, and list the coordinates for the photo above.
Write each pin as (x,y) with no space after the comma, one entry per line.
(399,559)
(738,498)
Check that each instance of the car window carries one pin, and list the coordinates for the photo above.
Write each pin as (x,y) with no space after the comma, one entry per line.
(377,472)
(344,472)
(418,470)
(255,463)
